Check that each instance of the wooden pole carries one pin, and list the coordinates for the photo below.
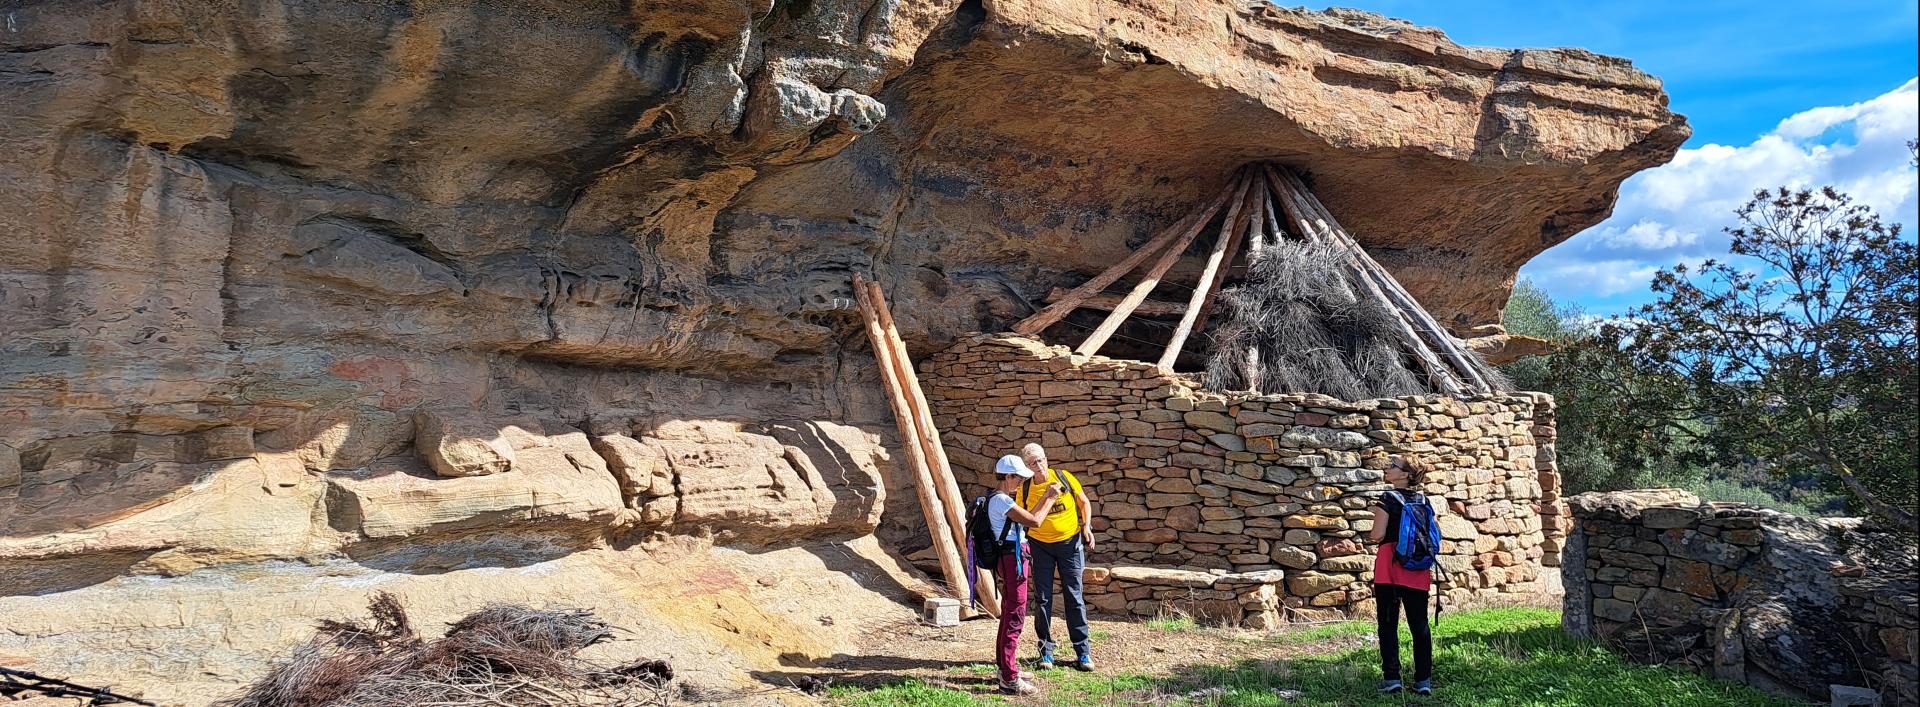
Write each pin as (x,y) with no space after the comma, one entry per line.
(1151,308)
(1210,276)
(928,438)
(951,563)
(1260,195)
(1302,221)
(1033,325)
(1167,258)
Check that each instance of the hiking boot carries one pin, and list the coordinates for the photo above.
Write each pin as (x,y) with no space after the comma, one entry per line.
(1423,687)
(1083,664)
(1018,687)
(1390,687)
(1046,663)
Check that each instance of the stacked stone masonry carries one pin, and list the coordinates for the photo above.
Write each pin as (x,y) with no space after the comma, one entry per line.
(1265,494)
(1802,607)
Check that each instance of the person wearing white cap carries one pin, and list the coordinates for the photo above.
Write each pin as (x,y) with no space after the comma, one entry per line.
(1011,472)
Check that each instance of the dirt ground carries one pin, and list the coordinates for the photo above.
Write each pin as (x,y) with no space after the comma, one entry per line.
(961,657)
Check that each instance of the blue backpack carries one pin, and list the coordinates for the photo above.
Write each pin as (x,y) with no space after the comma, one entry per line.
(1417,541)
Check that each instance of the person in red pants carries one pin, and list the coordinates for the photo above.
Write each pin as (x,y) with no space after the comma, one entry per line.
(1011,473)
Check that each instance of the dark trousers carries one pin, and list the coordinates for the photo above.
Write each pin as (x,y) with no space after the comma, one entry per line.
(1069,559)
(1389,599)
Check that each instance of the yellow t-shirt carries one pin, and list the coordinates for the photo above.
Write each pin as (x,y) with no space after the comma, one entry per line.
(1063,521)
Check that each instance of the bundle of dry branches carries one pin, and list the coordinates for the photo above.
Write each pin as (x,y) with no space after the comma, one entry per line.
(1311,331)
(501,655)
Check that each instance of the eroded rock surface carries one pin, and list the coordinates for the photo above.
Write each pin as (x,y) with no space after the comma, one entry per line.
(261,256)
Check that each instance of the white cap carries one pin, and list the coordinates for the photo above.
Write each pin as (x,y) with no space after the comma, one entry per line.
(1013,464)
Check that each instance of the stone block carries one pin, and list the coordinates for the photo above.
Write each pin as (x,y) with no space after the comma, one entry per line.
(1293,557)
(1229,442)
(1663,517)
(1184,518)
(1350,563)
(1453,527)
(1086,434)
(1310,437)
(1851,696)
(1309,583)
(1315,522)
(940,611)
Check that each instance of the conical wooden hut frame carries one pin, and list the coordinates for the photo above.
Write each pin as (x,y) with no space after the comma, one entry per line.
(1264,203)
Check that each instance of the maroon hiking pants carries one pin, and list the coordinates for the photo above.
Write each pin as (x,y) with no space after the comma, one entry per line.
(1013,614)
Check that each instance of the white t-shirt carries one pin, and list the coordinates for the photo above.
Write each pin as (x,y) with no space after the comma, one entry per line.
(997,506)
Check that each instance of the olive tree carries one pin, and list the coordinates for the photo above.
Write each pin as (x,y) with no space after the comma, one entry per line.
(1799,352)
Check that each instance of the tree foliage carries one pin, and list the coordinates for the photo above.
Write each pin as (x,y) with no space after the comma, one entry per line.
(1799,353)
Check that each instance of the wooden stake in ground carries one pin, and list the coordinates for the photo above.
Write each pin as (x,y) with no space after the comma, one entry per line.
(931,508)
(928,437)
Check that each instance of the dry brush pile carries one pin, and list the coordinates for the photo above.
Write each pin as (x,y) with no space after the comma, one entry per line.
(502,655)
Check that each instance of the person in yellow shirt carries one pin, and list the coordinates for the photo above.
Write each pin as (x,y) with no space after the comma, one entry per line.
(1059,544)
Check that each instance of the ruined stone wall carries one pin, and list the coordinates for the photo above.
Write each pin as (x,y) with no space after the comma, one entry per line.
(1793,605)
(1189,479)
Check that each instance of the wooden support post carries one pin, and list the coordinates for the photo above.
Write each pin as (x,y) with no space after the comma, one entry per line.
(928,437)
(951,563)
(1167,258)
(1210,276)
(1304,221)
(1032,326)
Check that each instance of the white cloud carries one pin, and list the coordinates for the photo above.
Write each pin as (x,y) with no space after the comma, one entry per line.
(1599,278)
(1674,213)
(1648,235)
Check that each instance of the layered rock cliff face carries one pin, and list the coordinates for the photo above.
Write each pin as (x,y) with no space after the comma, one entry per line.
(424,287)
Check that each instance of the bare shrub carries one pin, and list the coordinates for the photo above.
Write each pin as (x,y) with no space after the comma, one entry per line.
(500,655)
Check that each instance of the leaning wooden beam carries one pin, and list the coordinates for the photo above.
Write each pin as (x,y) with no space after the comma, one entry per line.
(951,564)
(1167,258)
(928,438)
(1465,365)
(1224,247)
(1300,219)
(1151,308)
(1253,220)
(1033,325)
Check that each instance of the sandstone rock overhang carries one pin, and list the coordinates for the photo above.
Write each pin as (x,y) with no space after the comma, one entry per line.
(1453,165)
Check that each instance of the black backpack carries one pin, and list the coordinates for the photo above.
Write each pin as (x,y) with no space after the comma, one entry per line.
(985,549)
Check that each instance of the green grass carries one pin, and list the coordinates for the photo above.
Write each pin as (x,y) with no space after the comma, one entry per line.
(913,693)
(1323,632)
(1172,623)
(1491,657)
(1494,657)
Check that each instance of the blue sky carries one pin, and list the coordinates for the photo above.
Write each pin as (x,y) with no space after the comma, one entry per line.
(1797,93)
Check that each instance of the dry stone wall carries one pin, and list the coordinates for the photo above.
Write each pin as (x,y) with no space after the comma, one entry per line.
(1268,492)
(1808,608)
